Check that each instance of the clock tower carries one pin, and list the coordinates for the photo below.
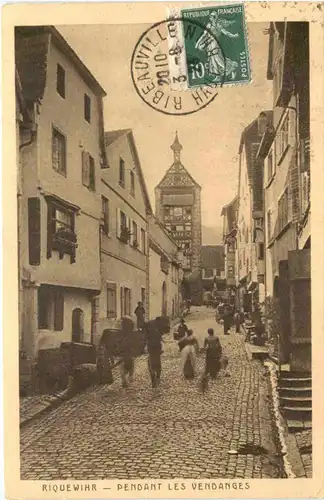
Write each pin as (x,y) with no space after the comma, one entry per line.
(178,207)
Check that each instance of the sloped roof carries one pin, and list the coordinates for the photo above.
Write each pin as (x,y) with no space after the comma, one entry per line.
(212,257)
(177,175)
(113,135)
(31,52)
(110,138)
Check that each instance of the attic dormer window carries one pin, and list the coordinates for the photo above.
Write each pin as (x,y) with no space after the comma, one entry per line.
(132,178)
(87,108)
(60,81)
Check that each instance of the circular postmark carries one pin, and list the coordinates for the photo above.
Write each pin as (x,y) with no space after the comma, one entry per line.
(161,61)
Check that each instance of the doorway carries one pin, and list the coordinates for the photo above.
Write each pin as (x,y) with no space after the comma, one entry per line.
(77,325)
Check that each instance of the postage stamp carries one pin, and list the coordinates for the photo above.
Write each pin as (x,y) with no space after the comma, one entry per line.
(221,53)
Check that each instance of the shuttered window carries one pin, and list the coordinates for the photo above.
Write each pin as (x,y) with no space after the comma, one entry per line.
(105,214)
(34,231)
(44,307)
(58,152)
(58,310)
(111,300)
(125,301)
(88,171)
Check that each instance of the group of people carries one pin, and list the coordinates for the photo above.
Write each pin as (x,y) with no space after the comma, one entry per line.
(230,318)
(189,347)
(153,334)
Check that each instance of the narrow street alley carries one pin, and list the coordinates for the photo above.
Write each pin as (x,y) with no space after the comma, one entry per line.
(174,431)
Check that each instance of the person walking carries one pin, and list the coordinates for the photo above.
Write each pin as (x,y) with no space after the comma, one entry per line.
(140,315)
(153,338)
(126,348)
(104,368)
(182,330)
(237,321)
(227,320)
(213,354)
(188,347)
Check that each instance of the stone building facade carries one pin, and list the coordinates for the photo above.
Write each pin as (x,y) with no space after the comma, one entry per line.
(285,153)
(124,232)
(61,158)
(165,272)
(178,207)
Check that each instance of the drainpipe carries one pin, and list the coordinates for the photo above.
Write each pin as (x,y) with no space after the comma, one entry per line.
(33,134)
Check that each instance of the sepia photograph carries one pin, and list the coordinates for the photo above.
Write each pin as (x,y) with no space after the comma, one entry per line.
(163,181)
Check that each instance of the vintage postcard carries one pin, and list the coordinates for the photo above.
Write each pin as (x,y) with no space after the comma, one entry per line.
(163,250)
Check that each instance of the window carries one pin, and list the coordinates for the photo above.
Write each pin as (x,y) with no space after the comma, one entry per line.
(121,172)
(87,108)
(269,227)
(44,305)
(63,220)
(123,230)
(60,81)
(209,273)
(283,211)
(261,251)
(283,138)
(58,152)
(111,300)
(132,177)
(58,311)
(125,301)
(88,171)
(50,309)
(134,234)
(270,166)
(60,230)
(218,273)
(105,214)
(143,242)
(173,228)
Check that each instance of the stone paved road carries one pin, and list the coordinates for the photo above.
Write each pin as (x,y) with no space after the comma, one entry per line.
(171,432)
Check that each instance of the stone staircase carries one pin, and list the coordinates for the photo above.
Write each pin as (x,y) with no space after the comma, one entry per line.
(295,392)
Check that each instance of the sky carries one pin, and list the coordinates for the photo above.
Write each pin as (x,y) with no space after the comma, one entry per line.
(210,137)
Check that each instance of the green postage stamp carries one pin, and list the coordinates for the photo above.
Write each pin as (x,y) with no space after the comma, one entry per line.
(216,45)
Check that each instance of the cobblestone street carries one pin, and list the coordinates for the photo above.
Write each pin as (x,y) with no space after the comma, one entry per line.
(174,431)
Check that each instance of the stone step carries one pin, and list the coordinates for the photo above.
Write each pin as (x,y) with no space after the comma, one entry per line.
(298,425)
(297,412)
(294,374)
(295,382)
(296,401)
(303,391)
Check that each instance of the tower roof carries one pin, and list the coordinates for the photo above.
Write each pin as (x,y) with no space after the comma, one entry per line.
(176,146)
(177,175)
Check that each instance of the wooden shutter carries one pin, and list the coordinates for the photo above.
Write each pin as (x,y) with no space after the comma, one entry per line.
(118,218)
(34,231)
(85,168)
(121,301)
(58,311)
(130,303)
(50,228)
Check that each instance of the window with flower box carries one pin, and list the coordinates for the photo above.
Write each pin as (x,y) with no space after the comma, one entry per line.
(61,235)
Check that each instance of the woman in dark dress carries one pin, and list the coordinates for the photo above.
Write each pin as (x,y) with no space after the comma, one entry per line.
(213,354)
